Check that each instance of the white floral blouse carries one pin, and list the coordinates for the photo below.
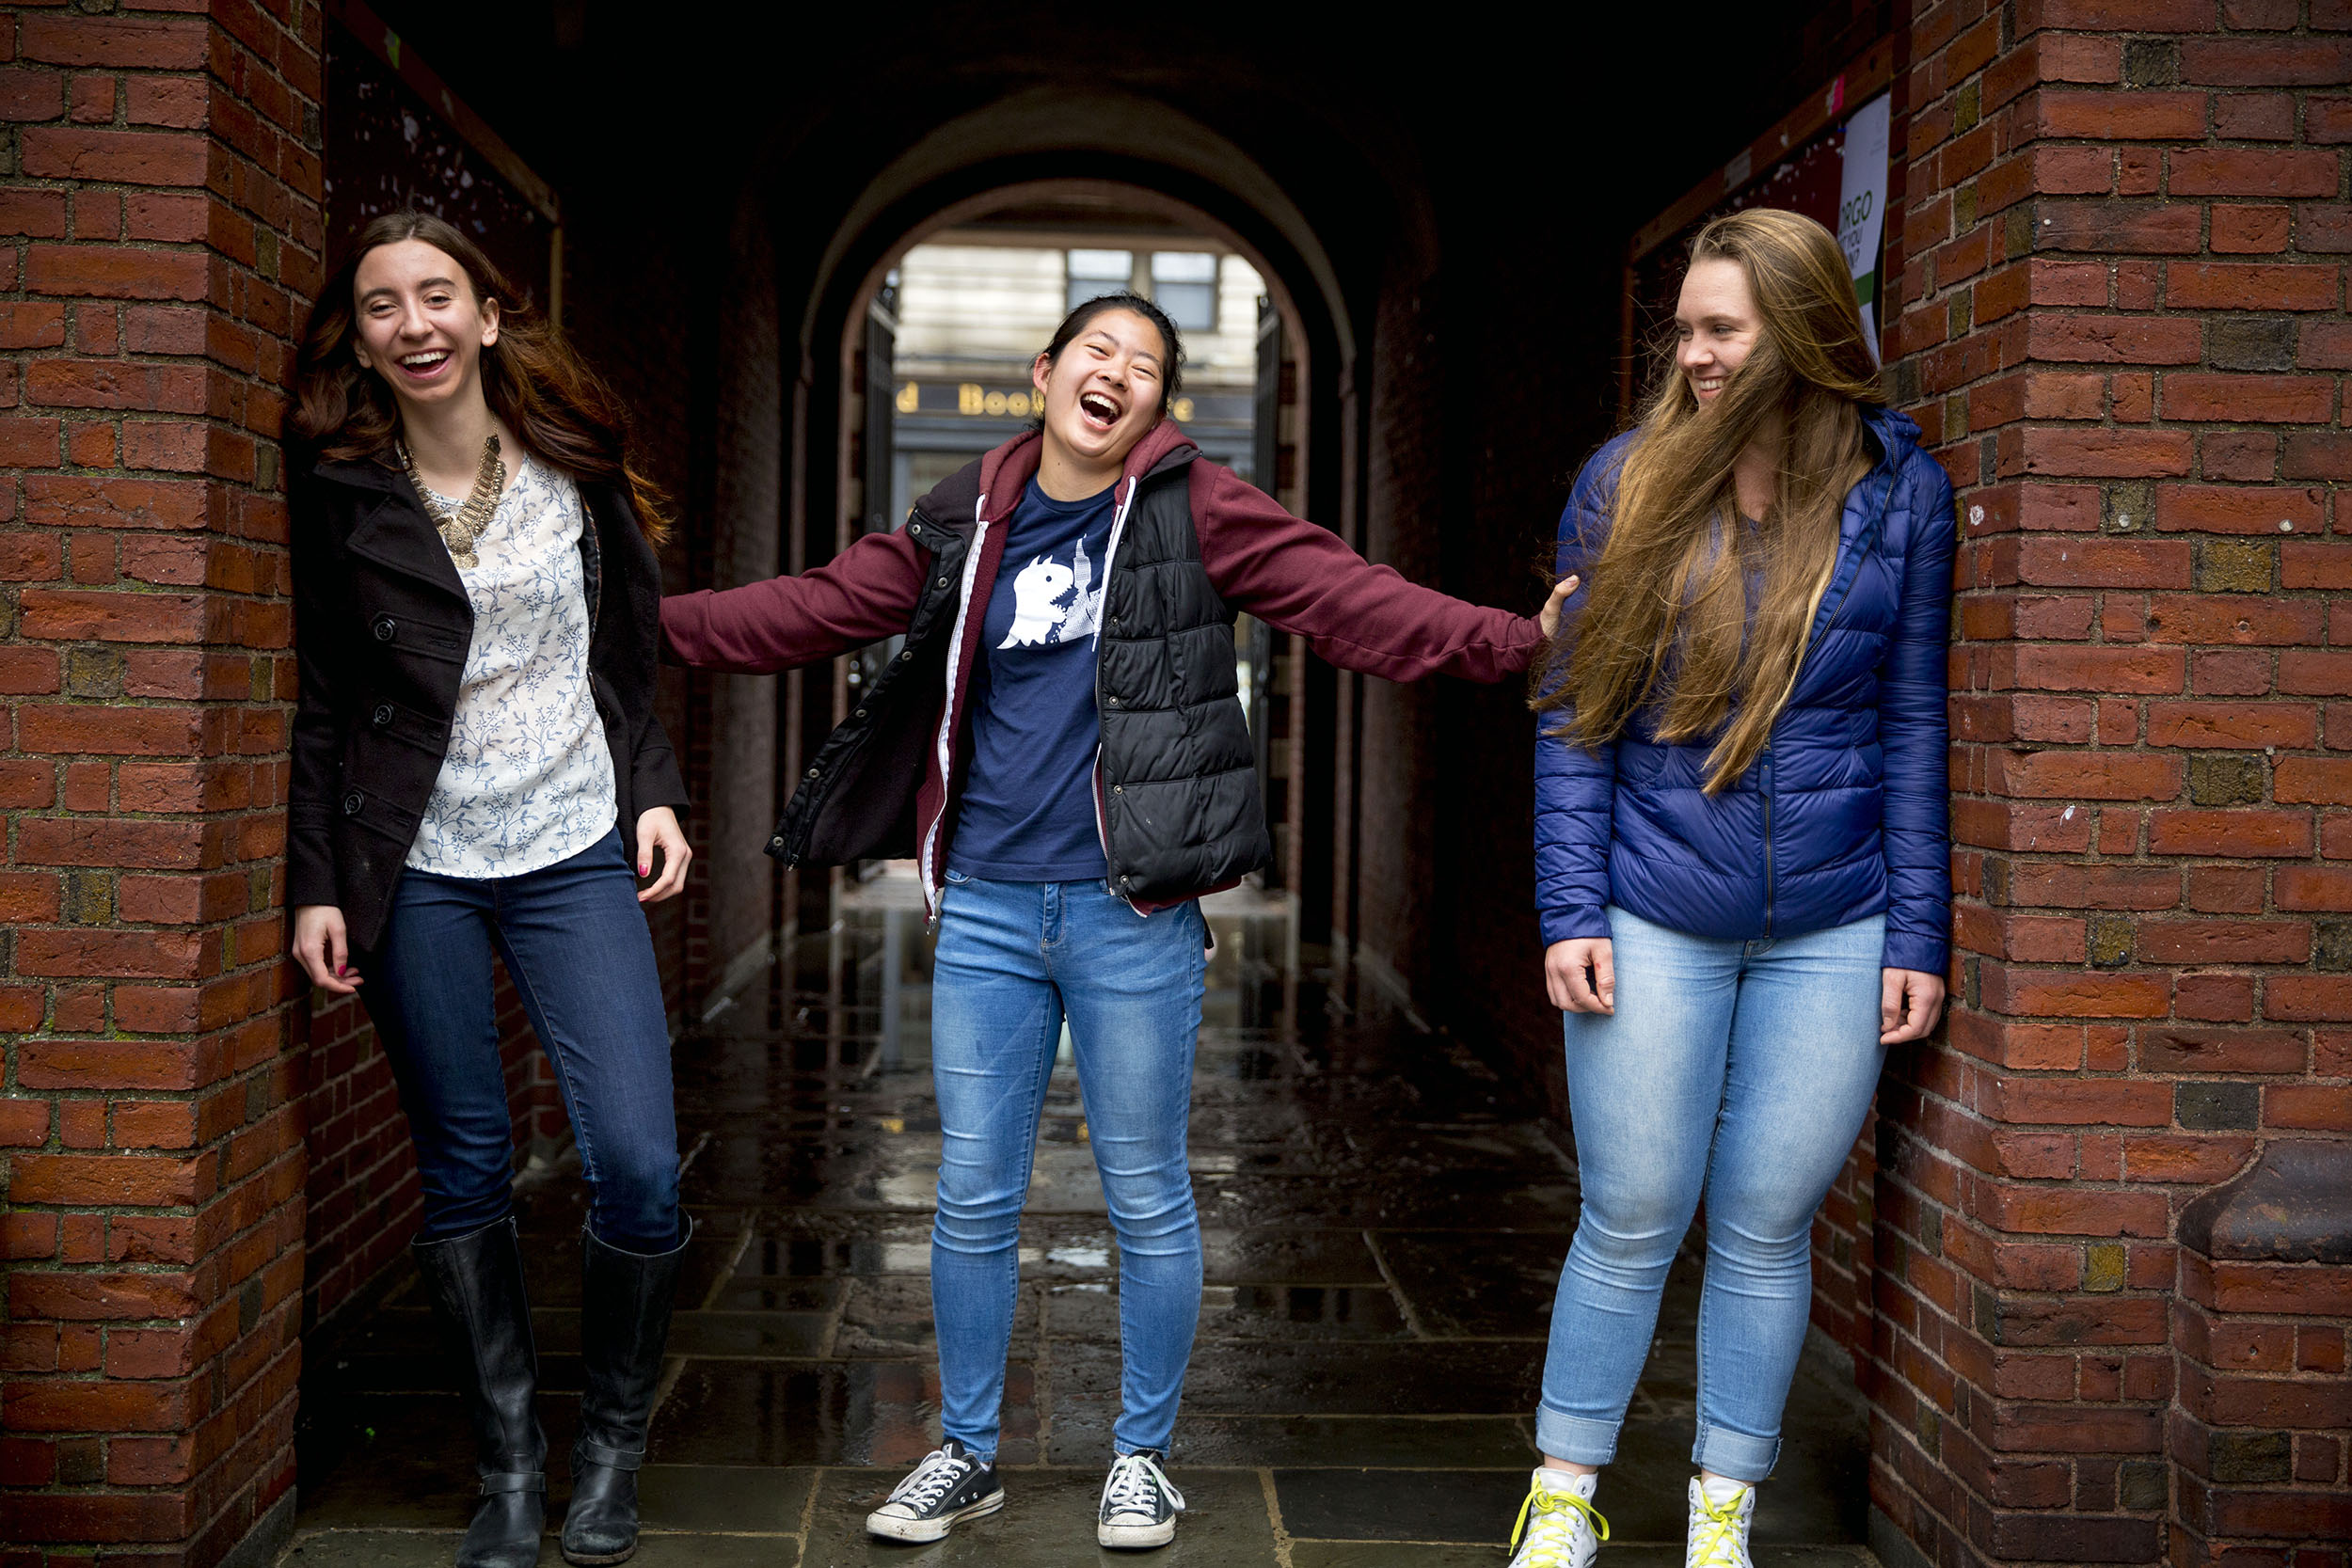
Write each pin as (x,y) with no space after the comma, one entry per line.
(527,781)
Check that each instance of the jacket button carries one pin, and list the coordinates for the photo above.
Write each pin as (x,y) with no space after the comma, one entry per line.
(1112,701)
(1118,789)
(352,803)
(813,772)
(908,655)
(775,844)
(385,628)
(943,582)
(860,714)
(383,714)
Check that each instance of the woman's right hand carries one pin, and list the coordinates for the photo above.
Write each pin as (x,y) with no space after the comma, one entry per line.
(1580,976)
(1548,617)
(322,950)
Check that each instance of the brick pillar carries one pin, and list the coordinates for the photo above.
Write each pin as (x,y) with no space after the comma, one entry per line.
(2120,322)
(2258,1426)
(159,227)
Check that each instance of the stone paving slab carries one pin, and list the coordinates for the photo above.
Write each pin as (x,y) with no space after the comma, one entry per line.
(434,1549)
(1082,1435)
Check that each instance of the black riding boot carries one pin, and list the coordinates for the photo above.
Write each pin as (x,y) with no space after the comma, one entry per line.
(477,1282)
(624,1328)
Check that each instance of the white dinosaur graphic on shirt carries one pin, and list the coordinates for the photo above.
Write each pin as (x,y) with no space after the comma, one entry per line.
(1039,615)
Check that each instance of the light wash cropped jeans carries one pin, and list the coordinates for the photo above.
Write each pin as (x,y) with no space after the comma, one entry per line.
(1015,959)
(1736,1071)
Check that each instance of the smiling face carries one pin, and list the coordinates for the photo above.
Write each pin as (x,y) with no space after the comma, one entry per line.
(420,326)
(1716,325)
(1102,393)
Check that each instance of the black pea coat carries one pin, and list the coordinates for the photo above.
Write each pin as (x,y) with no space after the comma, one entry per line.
(382,625)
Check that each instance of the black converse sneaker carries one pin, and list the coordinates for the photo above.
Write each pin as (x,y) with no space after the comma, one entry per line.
(948,1488)
(1139,1507)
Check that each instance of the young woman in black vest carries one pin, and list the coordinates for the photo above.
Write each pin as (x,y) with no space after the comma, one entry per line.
(1060,744)
(477,768)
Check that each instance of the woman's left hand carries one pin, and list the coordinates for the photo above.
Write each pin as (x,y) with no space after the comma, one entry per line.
(1910,1001)
(657,829)
(1550,615)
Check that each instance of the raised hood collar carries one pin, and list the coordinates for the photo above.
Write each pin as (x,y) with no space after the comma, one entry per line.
(1005,472)
(1894,431)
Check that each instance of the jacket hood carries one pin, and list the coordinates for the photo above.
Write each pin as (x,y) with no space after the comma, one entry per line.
(1894,431)
(995,482)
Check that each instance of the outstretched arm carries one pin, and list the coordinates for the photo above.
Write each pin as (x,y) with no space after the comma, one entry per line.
(1298,577)
(862,596)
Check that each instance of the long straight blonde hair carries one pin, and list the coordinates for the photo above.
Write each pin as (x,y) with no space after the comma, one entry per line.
(1667,624)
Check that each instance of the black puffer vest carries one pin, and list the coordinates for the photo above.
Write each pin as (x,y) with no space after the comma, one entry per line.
(1176,788)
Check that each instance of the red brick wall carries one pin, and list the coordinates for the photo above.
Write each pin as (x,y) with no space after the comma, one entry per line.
(158,235)
(2120,320)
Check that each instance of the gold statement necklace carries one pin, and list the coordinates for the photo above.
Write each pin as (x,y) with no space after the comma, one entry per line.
(461,527)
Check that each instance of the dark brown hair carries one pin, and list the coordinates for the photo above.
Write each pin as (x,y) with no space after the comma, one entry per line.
(546,394)
(1172,372)
(1667,626)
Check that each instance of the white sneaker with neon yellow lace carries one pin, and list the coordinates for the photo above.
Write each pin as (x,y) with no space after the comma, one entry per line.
(1720,1511)
(1558,1527)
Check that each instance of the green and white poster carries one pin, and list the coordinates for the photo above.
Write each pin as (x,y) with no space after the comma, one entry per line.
(1862,205)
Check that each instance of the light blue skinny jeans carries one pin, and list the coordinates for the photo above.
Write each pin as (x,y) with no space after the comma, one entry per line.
(1015,959)
(1736,1071)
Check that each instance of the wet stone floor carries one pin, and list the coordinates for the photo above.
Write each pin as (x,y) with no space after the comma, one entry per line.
(1384,1219)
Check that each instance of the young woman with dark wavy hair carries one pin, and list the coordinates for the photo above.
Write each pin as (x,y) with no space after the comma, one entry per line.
(477,769)
(1742,858)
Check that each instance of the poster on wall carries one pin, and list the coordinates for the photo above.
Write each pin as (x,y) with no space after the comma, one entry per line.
(1862,204)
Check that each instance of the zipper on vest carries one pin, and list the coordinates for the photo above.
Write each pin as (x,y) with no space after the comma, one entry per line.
(1768,841)
(1102,806)
(945,743)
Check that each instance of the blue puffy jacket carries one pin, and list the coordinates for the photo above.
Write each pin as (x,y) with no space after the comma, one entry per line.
(1844,814)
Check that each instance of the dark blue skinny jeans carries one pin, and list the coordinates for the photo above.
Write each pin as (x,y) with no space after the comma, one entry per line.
(574,941)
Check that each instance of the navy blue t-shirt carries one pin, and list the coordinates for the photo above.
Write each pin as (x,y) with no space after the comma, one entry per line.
(1028,799)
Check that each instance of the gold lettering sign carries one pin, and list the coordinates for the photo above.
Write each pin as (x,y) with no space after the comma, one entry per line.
(974,399)
(909,398)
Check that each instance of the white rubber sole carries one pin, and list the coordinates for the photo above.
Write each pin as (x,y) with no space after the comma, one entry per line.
(1134,1536)
(891,1527)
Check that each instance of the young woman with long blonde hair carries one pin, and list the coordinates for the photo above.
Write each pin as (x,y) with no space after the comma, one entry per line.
(1742,857)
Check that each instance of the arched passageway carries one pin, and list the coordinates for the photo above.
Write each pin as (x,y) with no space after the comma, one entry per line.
(1385,1209)
(2113,287)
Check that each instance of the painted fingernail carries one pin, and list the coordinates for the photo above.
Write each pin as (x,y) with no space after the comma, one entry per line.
(644,868)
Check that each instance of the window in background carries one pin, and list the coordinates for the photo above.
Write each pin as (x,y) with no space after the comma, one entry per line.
(1094,273)
(1183,284)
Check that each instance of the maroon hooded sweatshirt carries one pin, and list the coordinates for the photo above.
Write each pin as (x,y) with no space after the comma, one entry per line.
(1288,573)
